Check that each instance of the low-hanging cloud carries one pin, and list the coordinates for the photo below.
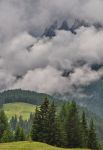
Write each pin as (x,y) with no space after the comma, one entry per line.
(42,65)
(29,61)
(35,15)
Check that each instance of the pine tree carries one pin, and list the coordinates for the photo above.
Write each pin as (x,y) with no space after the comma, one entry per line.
(92,138)
(73,127)
(63,113)
(51,125)
(36,126)
(19,134)
(84,130)
(3,123)
(44,114)
(40,130)
(7,136)
(62,121)
(45,127)
(22,135)
(21,122)
(54,130)
(13,122)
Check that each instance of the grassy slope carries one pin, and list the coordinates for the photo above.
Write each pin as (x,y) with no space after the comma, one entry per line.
(29,146)
(18,109)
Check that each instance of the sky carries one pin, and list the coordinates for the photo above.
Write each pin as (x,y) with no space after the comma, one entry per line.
(31,62)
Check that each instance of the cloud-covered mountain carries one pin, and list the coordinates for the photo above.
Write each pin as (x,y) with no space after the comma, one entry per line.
(51,46)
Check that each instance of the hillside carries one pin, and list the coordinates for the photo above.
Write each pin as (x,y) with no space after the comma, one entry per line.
(19,95)
(29,146)
(18,109)
(24,110)
(91,97)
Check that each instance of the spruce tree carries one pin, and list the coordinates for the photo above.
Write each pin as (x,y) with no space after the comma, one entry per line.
(36,126)
(22,135)
(62,121)
(13,122)
(21,122)
(17,133)
(44,110)
(73,127)
(92,138)
(3,123)
(7,136)
(45,127)
(63,113)
(40,124)
(54,130)
(84,130)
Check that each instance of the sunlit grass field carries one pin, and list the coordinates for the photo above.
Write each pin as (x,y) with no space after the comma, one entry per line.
(18,109)
(30,146)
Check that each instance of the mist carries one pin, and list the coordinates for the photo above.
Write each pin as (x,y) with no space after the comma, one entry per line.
(34,62)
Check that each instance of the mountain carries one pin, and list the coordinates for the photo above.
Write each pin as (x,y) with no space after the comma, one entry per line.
(94,99)
(51,30)
(90,97)
(98,121)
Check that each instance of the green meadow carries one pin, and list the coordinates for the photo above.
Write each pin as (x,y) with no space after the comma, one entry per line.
(23,109)
(30,146)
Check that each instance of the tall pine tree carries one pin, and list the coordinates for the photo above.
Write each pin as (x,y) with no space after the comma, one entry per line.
(3,123)
(45,127)
(84,130)
(73,127)
(36,126)
(7,136)
(54,136)
(92,138)
(19,134)
(39,131)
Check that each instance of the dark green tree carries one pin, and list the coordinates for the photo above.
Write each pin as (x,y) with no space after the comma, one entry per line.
(54,129)
(44,113)
(40,124)
(92,138)
(63,113)
(36,126)
(45,127)
(84,130)
(13,122)
(73,127)
(21,122)
(19,134)
(22,135)
(7,136)
(62,121)
(3,123)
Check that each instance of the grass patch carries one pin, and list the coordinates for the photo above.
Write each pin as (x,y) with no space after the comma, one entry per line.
(18,109)
(30,146)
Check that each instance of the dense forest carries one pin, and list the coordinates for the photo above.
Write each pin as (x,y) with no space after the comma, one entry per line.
(35,98)
(19,95)
(64,129)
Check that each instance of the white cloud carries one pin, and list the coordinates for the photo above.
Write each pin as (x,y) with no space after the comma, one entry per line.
(47,80)
(41,61)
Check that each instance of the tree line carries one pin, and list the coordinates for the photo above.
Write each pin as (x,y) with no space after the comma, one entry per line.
(25,96)
(64,128)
